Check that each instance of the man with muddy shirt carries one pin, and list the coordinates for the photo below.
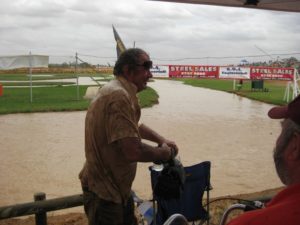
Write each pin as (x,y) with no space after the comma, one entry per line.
(284,208)
(113,143)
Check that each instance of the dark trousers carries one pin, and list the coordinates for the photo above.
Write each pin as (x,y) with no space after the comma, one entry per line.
(102,212)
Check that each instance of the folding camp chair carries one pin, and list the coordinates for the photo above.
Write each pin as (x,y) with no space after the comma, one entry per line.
(190,203)
(246,206)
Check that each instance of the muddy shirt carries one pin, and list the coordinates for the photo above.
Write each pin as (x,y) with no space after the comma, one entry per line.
(113,115)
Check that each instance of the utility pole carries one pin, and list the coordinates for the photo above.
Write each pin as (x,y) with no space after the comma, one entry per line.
(76,64)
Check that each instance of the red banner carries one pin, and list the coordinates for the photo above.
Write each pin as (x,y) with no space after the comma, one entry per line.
(193,71)
(271,73)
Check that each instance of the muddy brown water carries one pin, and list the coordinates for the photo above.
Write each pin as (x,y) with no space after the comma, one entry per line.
(45,151)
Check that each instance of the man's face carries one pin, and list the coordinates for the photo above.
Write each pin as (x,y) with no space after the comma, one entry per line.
(142,74)
(282,146)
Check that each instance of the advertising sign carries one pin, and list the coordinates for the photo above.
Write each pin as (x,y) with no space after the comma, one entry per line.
(160,71)
(272,73)
(234,72)
(223,72)
(193,71)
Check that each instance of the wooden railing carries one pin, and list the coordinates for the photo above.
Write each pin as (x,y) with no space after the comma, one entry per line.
(40,207)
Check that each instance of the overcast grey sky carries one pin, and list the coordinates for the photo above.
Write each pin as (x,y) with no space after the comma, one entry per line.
(171,32)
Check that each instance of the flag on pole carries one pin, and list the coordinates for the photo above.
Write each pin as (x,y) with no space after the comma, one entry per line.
(120,46)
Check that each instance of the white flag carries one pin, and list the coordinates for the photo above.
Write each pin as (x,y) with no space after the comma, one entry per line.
(23,61)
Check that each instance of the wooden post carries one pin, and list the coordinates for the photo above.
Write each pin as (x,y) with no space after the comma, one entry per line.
(32,208)
(40,217)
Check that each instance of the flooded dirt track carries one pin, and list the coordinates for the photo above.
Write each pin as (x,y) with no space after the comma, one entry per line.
(232,132)
(45,151)
(40,152)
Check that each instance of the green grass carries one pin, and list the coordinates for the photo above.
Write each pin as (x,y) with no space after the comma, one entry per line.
(56,98)
(64,98)
(148,97)
(53,83)
(274,95)
(17,100)
(25,77)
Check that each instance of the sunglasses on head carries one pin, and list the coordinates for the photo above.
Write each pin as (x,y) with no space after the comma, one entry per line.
(147,64)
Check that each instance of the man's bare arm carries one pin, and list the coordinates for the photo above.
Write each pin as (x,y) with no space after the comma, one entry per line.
(149,134)
(136,151)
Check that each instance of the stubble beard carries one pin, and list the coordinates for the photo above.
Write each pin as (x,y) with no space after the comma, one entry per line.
(280,166)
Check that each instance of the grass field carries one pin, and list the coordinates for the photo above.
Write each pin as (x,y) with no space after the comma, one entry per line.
(54,76)
(55,97)
(64,98)
(274,94)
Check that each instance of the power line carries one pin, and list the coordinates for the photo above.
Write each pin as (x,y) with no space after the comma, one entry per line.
(225,57)
(100,57)
(193,58)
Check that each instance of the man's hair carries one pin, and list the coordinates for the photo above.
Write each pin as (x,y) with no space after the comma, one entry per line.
(288,131)
(129,57)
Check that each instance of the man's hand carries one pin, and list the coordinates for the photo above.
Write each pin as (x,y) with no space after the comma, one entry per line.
(170,152)
(171,144)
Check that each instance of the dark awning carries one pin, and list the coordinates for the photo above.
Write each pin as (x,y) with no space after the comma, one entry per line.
(281,5)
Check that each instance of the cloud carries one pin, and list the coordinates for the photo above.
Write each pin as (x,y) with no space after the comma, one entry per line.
(165,30)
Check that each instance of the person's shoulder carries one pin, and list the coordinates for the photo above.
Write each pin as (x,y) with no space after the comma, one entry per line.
(110,92)
(113,88)
(113,92)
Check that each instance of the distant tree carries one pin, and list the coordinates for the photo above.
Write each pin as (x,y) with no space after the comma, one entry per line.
(64,65)
(59,65)
(84,65)
(289,62)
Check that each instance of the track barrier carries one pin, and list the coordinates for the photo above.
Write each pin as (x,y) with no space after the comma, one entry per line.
(40,207)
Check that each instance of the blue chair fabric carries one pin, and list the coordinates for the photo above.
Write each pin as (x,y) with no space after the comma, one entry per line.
(190,205)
